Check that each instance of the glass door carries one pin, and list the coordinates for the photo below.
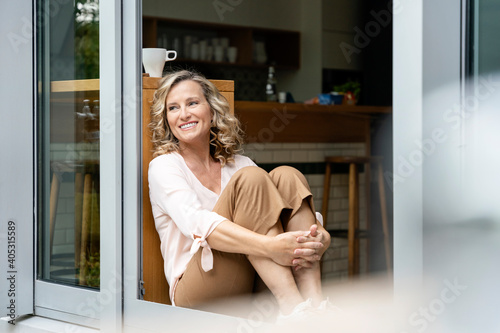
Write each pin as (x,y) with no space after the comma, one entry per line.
(481,98)
(68,142)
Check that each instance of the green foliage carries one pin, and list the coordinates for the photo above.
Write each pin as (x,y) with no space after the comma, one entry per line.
(86,39)
(352,86)
(93,274)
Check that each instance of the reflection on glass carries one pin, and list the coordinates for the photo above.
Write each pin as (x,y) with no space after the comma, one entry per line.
(68,142)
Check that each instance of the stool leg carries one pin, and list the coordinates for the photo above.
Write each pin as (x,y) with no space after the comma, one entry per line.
(95,226)
(326,193)
(367,214)
(87,196)
(383,211)
(54,196)
(357,255)
(353,257)
(78,215)
(326,197)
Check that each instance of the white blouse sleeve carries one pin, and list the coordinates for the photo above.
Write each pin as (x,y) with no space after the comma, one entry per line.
(244,161)
(171,192)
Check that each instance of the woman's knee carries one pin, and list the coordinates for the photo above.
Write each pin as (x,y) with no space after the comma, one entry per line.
(285,172)
(252,174)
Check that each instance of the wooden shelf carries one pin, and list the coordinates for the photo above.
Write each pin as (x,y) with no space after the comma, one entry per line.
(282,46)
(226,63)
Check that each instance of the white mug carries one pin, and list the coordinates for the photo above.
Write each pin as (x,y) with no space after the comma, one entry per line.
(219,53)
(232,53)
(195,51)
(188,40)
(154,60)
(203,49)
(210,53)
(282,96)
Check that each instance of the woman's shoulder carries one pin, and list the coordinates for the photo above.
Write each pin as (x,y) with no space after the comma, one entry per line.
(170,160)
(168,169)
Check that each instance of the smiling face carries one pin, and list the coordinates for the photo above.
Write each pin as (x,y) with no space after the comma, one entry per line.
(188,114)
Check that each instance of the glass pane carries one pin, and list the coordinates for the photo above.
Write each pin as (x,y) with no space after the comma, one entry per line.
(68,141)
(481,116)
(484,43)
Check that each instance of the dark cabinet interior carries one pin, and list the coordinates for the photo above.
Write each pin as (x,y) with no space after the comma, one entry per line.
(282,47)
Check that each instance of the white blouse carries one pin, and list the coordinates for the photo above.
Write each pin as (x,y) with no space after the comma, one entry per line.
(182,209)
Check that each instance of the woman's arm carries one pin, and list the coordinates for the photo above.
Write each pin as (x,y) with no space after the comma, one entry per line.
(283,248)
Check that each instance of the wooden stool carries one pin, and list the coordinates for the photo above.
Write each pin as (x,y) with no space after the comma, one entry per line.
(353,233)
(86,210)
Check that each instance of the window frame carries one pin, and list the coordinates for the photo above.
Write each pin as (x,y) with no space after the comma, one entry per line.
(75,304)
(135,310)
(17,179)
(427,48)
(422,41)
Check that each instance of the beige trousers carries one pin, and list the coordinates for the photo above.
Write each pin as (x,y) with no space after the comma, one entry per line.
(256,200)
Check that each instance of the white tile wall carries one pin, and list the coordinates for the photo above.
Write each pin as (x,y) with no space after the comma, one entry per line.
(64,223)
(335,258)
(72,151)
(64,233)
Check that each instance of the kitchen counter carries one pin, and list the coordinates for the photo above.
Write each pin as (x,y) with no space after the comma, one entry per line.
(296,122)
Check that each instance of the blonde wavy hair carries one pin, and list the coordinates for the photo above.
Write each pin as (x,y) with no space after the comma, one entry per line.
(225,134)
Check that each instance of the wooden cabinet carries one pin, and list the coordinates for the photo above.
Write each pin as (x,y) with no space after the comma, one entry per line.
(282,46)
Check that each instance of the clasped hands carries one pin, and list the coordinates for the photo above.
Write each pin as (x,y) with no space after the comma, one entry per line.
(301,249)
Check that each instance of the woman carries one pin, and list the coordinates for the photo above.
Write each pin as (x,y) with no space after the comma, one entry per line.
(220,218)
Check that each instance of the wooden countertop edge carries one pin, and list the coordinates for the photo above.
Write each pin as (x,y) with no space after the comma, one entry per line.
(153,83)
(249,106)
(147,83)
(74,85)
